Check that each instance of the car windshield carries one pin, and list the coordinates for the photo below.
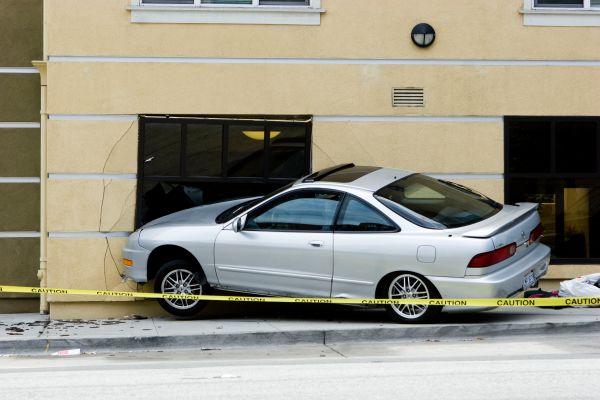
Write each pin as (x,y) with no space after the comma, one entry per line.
(239,209)
(436,204)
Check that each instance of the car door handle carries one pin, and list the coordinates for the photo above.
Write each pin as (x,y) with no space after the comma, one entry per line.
(316,243)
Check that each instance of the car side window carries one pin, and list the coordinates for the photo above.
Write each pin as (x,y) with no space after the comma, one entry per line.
(358,216)
(298,211)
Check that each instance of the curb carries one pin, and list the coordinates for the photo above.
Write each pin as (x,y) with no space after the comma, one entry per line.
(40,346)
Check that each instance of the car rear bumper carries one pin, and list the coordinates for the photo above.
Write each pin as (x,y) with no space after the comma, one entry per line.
(504,283)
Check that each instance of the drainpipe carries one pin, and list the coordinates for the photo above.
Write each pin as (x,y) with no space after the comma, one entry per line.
(42,273)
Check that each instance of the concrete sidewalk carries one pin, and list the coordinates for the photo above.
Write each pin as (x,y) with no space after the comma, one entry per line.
(311,324)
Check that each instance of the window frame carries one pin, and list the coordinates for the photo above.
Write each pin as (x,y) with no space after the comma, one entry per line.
(509,176)
(205,13)
(279,199)
(343,204)
(199,3)
(586,5)
(183,121)
(587,15)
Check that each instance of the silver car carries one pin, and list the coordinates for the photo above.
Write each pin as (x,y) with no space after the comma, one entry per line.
(346,232)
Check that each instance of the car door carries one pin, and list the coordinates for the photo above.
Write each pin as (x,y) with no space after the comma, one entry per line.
(366,243)
(285,247)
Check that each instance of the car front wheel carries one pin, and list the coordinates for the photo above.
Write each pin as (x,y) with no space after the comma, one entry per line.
(411,286)
(181,277)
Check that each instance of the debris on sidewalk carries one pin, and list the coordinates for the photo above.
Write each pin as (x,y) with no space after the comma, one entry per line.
(134,317)
(13,330)
(583,286)
(539,294)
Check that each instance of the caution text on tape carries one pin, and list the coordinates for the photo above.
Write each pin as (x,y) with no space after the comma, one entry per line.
(513,302)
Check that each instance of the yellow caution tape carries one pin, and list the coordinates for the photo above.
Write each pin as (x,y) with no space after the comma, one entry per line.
(514,302)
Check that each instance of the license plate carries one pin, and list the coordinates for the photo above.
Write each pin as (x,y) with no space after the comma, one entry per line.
(528,281)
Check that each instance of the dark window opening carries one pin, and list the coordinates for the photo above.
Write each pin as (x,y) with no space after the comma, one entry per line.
(556,162)
(559,3)
(187,161)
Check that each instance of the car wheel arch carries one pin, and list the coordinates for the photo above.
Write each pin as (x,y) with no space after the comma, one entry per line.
(383,283)
(160,255)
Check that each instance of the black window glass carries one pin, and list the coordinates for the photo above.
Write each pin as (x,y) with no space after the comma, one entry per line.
(570,216)
(357,216)
(530,146)
(159,197)
(299,211)
(576,146)
(167,1)
(287,151)
(204,150)
(246,155)
(567,191)
(162,149)
(226,2)
(284,2)
(559,3)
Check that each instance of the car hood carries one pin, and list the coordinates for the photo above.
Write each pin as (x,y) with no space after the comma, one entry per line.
(201,215)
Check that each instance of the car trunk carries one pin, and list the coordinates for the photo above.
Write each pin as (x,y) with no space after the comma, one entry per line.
(513,224)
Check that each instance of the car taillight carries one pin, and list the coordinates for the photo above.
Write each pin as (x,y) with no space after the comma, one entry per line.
(535,234)
(493,257)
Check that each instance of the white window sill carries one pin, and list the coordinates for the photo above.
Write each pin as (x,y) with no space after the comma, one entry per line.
(556,17)
(285,15)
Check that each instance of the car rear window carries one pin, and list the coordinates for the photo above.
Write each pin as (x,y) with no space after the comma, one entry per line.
(436,204)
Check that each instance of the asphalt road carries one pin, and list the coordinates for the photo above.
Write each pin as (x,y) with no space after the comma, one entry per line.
(548,367)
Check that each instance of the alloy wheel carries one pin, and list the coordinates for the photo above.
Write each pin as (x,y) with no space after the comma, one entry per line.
(408,286)
(181,281)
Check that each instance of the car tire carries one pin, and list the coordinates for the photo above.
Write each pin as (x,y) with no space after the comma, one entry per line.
(406,285)
(181,277)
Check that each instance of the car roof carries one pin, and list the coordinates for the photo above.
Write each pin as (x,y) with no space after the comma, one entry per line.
(362,177)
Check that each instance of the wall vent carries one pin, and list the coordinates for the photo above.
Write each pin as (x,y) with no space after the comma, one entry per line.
(408,97)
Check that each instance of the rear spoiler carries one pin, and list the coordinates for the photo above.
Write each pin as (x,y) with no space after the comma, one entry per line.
(504,221)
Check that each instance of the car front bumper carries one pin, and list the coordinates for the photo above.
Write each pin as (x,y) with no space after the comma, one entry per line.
(138,272)
(504,283)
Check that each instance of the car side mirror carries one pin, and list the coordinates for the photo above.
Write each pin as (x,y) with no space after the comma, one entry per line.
(239,223)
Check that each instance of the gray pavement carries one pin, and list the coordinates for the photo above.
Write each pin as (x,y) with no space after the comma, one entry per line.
(275,324)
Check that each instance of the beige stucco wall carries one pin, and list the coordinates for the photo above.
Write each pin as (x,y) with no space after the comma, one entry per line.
(114,145)
(350,29)
(85,263)
(91,205)
(81,201)
(86,203)
(466,29)
(179,88)
(415,146)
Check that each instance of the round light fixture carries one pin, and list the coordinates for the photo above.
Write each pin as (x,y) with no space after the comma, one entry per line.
(260,135)
(423,35)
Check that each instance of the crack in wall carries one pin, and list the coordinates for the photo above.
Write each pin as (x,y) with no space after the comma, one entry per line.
(108,157)
(108,250)
(324,152)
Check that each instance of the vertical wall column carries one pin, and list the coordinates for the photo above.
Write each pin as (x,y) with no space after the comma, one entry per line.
(42,271)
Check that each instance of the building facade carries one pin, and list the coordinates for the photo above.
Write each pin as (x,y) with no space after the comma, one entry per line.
(150,106)
(20,43)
